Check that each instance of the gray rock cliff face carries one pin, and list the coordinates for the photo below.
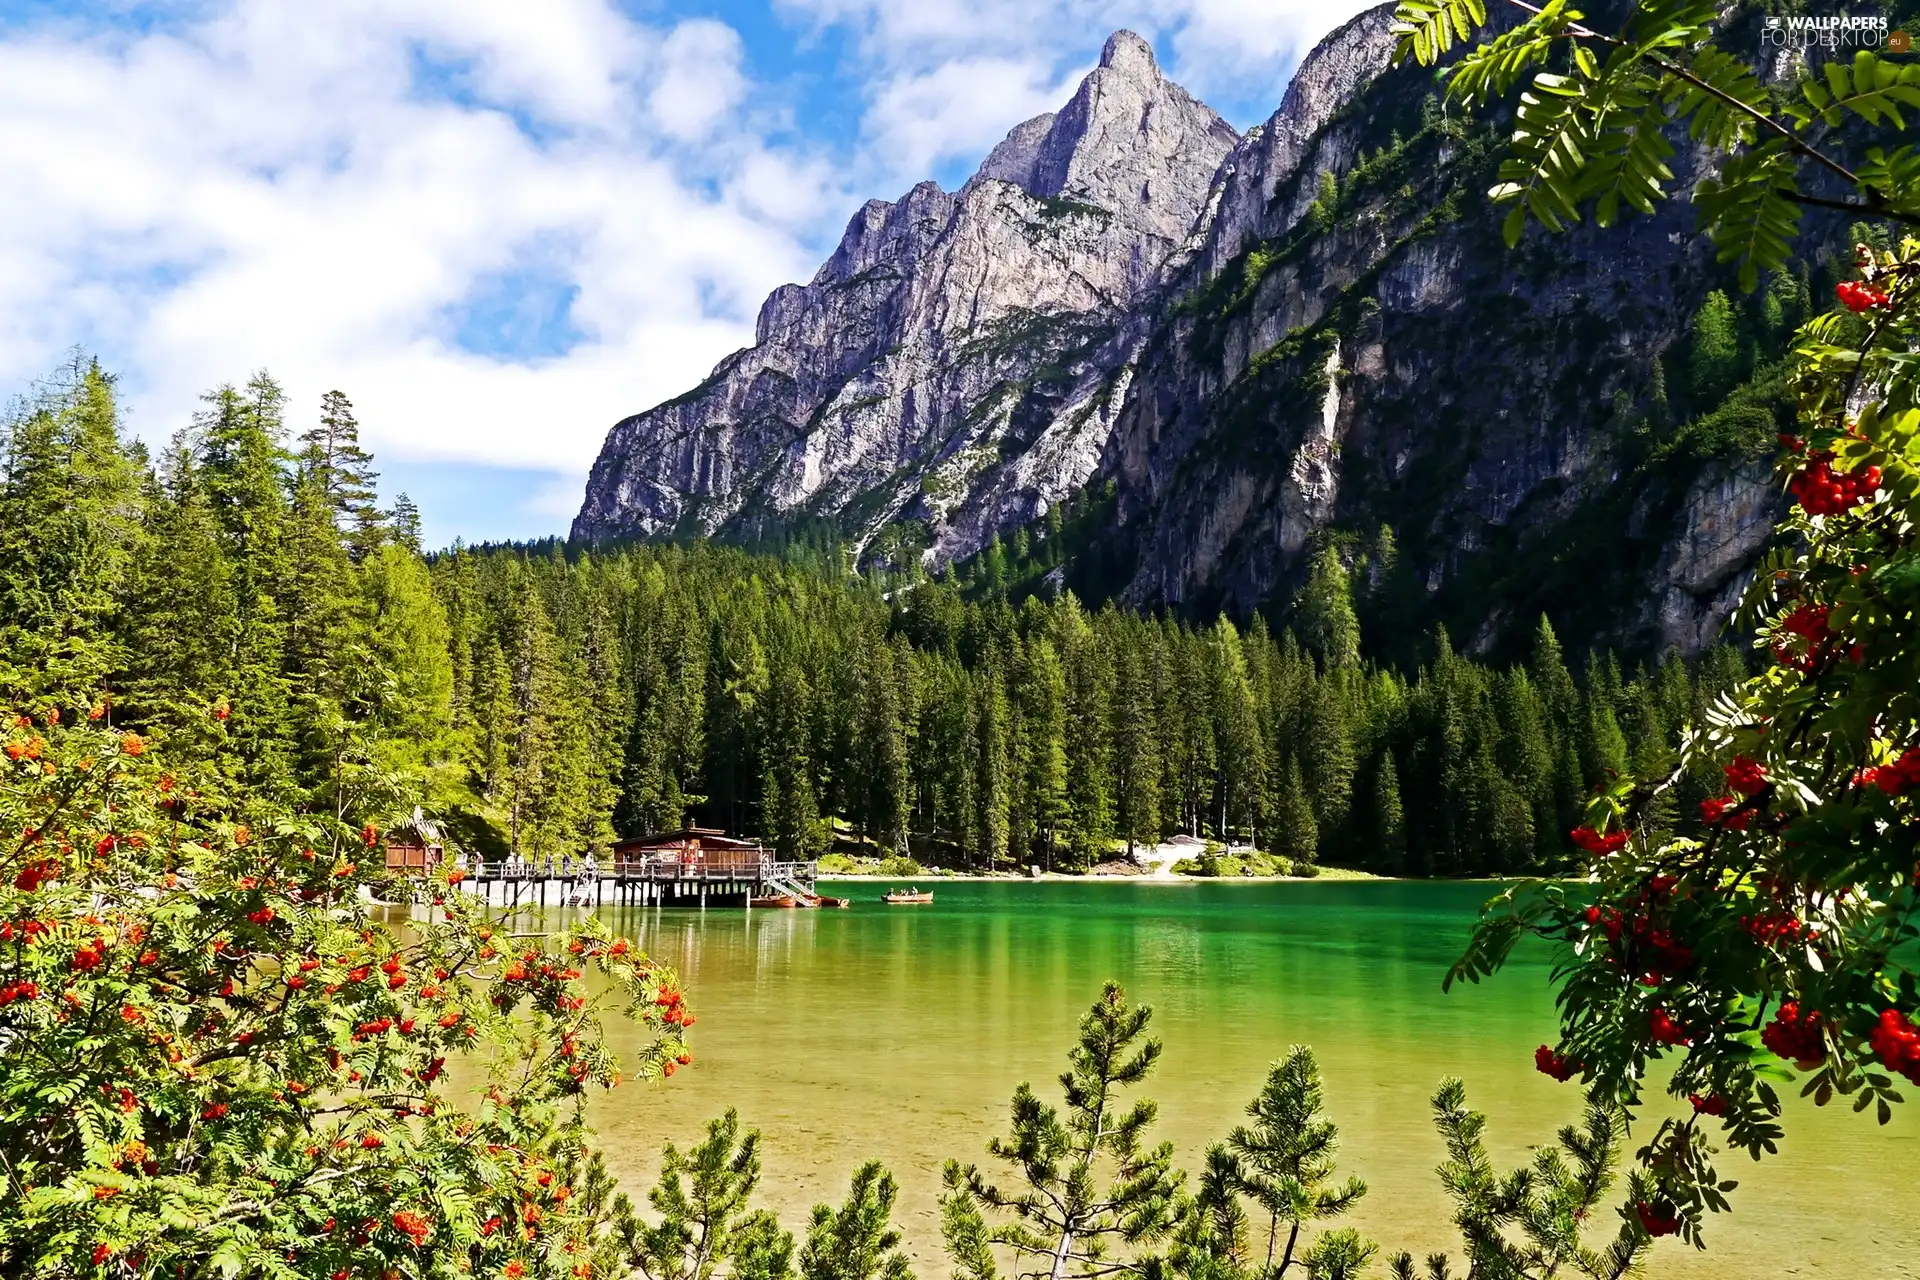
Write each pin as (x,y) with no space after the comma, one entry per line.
(1346,348)
(955,365)
(1242,346)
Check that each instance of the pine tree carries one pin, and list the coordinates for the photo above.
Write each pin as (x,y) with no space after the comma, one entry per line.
(70,507)
(1284,1160)
(1389,819)
(1325,608)
(790,813)
(705,1224)
(1714,352)
(857,1241)
(1085,1185)
(1296,834)
(344,473)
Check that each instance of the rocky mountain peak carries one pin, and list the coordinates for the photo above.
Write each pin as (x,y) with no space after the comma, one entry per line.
(1129,54)
(1130,141)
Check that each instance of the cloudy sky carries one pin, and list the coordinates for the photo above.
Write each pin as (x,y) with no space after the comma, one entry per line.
(500,225)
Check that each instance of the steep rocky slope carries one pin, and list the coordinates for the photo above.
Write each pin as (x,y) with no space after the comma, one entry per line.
(1221,352)
(958,358)
(1352,349)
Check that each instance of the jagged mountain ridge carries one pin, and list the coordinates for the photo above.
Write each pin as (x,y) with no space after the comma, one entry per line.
(1333,343)
(954,361)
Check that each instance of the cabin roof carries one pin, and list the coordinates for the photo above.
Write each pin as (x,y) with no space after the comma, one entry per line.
(685,837)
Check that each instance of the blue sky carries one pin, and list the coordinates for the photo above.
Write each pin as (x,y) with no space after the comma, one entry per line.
(501,226)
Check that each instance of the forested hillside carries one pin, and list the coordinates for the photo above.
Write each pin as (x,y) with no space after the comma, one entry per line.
(242,599)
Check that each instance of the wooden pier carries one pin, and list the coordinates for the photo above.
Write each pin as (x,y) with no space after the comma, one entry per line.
(691,868)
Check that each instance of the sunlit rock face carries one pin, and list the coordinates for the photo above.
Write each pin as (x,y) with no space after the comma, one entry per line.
(955,365)
(1247,345)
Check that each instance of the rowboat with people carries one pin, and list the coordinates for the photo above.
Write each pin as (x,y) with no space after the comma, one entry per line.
(908,897)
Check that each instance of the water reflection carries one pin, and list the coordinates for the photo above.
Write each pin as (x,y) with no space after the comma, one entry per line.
(900,1032)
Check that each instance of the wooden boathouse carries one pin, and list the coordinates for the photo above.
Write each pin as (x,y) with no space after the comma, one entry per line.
(690,867)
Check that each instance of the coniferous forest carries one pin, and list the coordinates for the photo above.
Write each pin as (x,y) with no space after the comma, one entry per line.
(244,598)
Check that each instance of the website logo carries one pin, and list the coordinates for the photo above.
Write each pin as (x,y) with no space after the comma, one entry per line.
(1835,33)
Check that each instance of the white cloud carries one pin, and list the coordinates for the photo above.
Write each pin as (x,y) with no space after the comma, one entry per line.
(959,109)
(701,82)
(312,188)
(320,189)
(1237,49)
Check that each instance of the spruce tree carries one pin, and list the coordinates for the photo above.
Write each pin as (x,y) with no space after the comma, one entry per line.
(992,780)
(1296,834)
(1041,795)
(1389,852)
(1325,610)
(1714,351)
(70,507)
(1082,1185)
(1136,744)
(1326,753)
(344,473)
(1284,1160)
(857,1241)
(790,814)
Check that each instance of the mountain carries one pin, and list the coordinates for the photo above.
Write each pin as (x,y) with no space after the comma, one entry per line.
(953,365)
(1216,353)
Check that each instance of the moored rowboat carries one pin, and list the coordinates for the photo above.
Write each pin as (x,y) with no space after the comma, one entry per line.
(773,900)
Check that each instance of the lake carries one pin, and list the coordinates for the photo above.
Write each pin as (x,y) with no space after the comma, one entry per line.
(900,1032)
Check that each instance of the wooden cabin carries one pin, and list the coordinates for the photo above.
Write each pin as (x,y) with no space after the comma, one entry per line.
(414,848)
(694,853)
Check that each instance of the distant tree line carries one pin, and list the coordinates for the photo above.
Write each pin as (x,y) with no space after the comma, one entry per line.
(243,597)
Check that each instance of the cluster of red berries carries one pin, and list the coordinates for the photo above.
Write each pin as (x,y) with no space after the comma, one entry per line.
(25,930)
(1809,622)
(27,750)
(1725,811)
(1557,1065)
(1795,1036)
(1822,491)
(1858,296)
(1658,1219)
(1673,956)
(89,956)
(1746,776)
(1596,843)
(1781,926)
(1711,1105)
(675,1010)
(412,1225)
(35,874)
(1897,1041)
(1664,1030)
(18,991)
(1902,775)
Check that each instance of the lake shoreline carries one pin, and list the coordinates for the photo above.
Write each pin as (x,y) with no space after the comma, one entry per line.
(1329,875)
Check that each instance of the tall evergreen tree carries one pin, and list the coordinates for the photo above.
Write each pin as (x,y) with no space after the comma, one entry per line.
(70,507)
(343,470)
